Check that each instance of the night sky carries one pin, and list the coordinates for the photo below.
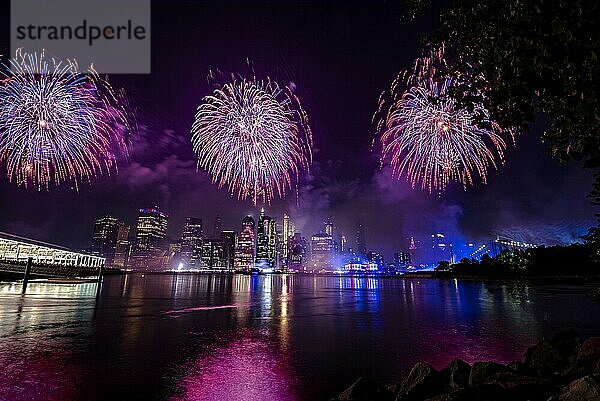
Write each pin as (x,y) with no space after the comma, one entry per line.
(340,55)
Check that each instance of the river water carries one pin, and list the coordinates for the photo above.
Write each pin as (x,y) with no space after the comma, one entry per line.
(272,338)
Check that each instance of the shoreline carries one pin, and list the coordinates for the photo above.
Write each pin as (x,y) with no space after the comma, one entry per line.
(564,368)
(14,277)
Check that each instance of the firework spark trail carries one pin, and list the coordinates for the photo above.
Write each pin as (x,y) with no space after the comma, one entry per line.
(253,136)
(57,124)
(426,136)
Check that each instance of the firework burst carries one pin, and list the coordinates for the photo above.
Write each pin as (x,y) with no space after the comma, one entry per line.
(252,136)
(58,124)
(427,137)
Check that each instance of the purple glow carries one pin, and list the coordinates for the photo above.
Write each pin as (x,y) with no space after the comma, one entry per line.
(246,369)
(199,308)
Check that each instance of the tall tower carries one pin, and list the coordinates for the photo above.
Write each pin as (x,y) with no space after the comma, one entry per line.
(104,239)
(218,227)
(191,240)
(273,239)
(322,251)
(228,237)
(285,235)
(413,250)
(151,229)
(361,241)
(122,247)
(329,226)
(266,241)
(246,248)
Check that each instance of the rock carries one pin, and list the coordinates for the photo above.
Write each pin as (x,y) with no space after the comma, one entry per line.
(584,389)
(516,365)
(544,360)
(512,379)
(519,386)
(487,392)
(365,389)
(566,343)
(442,397)
(422,382)
(587,361)
(456,375)
(590,347)
(482,370)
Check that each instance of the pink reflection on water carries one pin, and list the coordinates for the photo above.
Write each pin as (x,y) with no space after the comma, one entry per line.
(30,373)
(249,369)
(199,308)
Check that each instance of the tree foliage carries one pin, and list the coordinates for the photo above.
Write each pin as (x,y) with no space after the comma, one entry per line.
(572,260)
(523,57)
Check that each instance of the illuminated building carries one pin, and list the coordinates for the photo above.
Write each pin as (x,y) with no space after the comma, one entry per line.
(122,247)
(246,248)
(361,242)
(15,249)
(228,237)
(150,250)
(298,253)
(322,251)
(171,262)
(343,244)
(441,249)
(217,227)
(376,258)
(402,259)
(329,226)
(104,239)
(191,240)
(413,250)
(266,242)
(213,254)
(361,266)
(286,235)
(151,229)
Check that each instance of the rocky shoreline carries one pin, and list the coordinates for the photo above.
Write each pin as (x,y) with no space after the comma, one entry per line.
(564,368)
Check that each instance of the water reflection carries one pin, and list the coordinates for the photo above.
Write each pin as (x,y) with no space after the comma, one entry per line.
(274,337)
(37,333)
(247,368)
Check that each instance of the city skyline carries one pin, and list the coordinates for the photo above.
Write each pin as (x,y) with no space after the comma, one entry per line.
(267,200)
(344,181)
(271,243)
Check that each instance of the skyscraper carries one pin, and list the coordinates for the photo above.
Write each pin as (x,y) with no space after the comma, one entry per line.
(122,247)
(217,227)
(322,251)
(285,235)
(246,248)
(213,254)
(151,229)
(191,240)
(361,241)
(440,248)
(151,248)
(329,226)
(298,253)
(104,239)
(402,260)
(228,237)
(413,250)
(266,241)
